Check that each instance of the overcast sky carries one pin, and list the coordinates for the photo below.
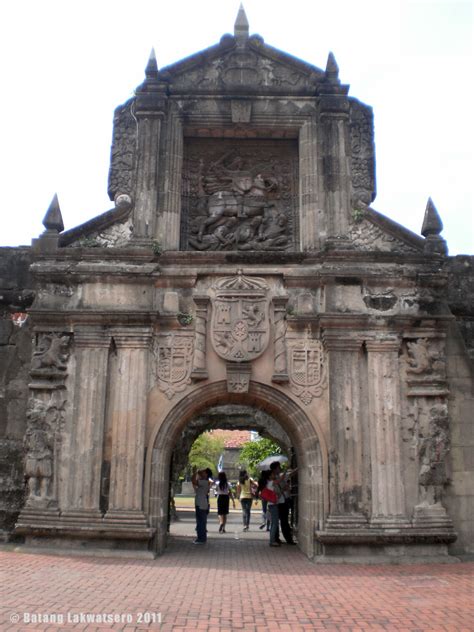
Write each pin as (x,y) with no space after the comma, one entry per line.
(66,65)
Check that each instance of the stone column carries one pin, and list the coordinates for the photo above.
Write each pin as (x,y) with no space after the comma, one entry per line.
(280,368)
(388,493)
(128,409)
(146,203)
(199,371)
(335,156)
(346,449)
(92,351)
(168,230)
(312,227)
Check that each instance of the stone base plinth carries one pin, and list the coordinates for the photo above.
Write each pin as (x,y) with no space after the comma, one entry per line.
(390,522)
(431,517)
(126,519)
(348,521)
(352,544)
(123,530)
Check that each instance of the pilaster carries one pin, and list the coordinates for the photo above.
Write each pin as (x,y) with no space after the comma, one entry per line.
(280,365)
(146,203)
(312,225)
(345,430)
(128,407)
(335,164)
(92,349)
(199,370)
(169,226)
(388,494)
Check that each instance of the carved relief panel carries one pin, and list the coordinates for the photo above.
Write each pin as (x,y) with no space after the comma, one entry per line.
(173,356)
(240,324)
(306,368)
(239,194)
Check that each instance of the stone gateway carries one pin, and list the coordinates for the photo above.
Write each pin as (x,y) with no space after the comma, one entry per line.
(242,280)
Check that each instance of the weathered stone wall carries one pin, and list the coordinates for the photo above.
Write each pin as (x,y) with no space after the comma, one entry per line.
(461,297)
(15,352)
(460,371)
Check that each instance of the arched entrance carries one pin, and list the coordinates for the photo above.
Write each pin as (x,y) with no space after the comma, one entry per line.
(306,438)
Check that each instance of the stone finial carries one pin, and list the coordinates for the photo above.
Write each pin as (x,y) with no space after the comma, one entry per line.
(53,220)
(432,224)
(431,229)
(151,70)
(332,69)
(241,26)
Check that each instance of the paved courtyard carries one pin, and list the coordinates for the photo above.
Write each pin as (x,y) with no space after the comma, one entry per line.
(235,582)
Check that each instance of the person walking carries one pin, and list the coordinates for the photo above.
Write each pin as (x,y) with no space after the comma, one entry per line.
(245,492)
(273,496)
(224,493)
(282,480)
(270,493)
(201,486)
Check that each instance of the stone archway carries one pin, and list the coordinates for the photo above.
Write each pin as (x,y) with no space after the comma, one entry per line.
(306,438)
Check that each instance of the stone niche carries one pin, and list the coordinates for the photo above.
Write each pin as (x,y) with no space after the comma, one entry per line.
(239,194)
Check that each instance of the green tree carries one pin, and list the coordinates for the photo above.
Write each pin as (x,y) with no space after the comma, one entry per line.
(205,452)
(253,452)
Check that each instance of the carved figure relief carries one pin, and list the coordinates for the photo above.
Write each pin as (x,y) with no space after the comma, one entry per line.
(239,195)
(424,362)
(306,369)
(240,323)
(245,68)
(49,361)
(51,352)
(44,421)
(423,358)
(173,361)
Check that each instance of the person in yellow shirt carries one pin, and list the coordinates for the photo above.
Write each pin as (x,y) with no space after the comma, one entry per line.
(246,489)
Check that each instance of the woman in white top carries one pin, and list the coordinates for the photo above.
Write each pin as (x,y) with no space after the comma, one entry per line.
(223,492)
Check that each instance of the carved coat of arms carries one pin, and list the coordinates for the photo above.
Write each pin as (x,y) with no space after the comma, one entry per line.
(306,369)
(174,354)
(240,326)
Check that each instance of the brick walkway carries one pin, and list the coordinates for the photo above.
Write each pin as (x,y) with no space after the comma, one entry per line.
(233,584)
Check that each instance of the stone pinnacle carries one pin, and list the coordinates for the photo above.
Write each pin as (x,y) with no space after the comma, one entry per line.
(432,224)
(241,26)
(151,70)
(53,220)
(332,69)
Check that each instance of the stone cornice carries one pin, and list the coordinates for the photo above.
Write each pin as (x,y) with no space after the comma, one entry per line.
(65,320)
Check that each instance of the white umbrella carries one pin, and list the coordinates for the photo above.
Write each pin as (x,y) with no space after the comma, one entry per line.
(265,464)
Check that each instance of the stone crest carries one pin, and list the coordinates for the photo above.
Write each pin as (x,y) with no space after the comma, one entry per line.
(174,355)
(306,369)
(240,326)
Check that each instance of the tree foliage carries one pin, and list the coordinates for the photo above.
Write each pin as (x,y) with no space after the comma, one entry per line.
(205,452)
(253,452)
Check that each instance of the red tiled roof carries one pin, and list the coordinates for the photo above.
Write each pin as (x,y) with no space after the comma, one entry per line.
(233,438)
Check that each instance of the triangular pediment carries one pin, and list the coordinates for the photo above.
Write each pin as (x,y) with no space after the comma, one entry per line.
(253,67)
(373,232)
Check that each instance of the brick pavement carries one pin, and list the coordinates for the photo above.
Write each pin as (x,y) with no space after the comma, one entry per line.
(234,584)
